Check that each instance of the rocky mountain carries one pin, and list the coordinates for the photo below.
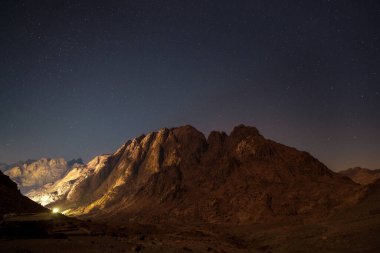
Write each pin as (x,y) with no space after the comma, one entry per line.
(33,174)
(61,188)
(11,200)
(361,175)
(179,175)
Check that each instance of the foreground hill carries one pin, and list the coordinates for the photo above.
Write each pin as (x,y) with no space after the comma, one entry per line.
(361,175)
(11,200)
(179,175)
(33,174)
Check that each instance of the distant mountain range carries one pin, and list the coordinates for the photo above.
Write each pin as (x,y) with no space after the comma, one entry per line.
(4,166)
(61,188)
(33,174)
(361,175)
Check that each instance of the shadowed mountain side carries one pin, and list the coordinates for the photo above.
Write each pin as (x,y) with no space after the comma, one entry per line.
(12,201)
(367,206)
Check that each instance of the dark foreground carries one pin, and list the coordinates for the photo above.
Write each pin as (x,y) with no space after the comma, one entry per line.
(343,234)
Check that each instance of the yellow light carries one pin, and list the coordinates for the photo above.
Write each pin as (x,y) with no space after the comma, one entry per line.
(55,210)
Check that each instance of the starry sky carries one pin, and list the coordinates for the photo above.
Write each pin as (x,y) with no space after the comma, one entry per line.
(79,78)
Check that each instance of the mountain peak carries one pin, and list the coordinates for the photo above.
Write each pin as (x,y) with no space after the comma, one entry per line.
(245,131)
(186,127)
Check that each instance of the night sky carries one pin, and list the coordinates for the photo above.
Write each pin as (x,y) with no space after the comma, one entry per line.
(79,78)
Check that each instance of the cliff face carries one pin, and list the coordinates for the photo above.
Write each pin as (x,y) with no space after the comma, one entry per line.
(11,200)
(178,174)
(33,174)
(361,175)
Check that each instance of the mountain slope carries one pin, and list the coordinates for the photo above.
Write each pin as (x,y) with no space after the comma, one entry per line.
(361,175)
(11,200)
(178,174)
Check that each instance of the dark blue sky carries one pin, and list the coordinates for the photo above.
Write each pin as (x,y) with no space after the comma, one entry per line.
(79,78)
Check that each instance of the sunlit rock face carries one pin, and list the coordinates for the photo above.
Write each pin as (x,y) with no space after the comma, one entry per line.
(63,186)
(34,174)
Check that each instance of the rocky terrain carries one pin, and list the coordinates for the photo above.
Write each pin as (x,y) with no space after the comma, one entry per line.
(178,175)
(32,174)
(361,175)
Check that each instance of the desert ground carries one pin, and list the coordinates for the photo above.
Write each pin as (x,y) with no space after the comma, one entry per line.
(339,234)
